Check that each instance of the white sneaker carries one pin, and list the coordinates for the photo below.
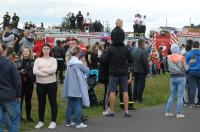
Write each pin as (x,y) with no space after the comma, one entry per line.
(169,114)
(180,116)
(81,126)
(39,125)
(52,125)
(71,124)
(105,112)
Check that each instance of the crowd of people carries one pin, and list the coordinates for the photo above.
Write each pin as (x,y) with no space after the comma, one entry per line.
(39,63)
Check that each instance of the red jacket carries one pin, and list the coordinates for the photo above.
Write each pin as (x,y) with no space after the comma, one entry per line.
(38,47)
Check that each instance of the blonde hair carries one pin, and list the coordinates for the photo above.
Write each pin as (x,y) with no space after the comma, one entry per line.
(119,23)
(30,51)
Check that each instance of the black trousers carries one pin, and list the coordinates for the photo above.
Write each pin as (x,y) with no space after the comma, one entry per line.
(27,92)
(60,69)
(49,89)
(139,85)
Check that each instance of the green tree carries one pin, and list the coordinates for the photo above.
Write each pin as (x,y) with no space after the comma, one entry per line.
(107,27)
(66,21)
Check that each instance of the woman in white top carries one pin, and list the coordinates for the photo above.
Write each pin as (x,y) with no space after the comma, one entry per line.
(45,70)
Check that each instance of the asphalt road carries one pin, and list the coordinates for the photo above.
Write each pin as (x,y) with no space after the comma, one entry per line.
(144,120)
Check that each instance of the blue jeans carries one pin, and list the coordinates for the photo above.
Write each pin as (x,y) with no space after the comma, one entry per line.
(13,111)
(74,105)
(177,85)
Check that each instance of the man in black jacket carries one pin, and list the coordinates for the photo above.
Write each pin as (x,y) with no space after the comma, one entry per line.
(72,21)
(6,20)
(15,20)
(10,92)
(140,69)
(118,58)
(79,18)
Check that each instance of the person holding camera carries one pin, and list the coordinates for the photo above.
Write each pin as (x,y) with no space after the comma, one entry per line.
(25,67)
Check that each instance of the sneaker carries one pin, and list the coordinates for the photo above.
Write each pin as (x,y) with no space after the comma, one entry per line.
(106,112)
(52,125)
(81,126)
(71,124)
(39,125)
(169,114)
(180,116)
(198,104)
(127,114)
(191,106)
(110,114)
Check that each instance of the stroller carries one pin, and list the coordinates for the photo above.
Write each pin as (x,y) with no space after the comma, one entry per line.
(92,81)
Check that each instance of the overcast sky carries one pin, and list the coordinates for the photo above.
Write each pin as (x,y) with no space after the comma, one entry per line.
(177,12)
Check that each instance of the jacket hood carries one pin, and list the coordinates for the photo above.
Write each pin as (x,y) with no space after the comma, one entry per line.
(3,61)
(195,51)
(117,36)
(74,60)
(175,58)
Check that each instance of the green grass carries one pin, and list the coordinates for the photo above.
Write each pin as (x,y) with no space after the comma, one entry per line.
(156,92)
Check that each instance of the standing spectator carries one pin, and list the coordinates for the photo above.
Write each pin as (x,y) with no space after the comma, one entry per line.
(161,60)
(118,58)
(25,66)
(87,22)
(72,21)
(45,70)
(27,40)
(6,20)
(140,69)
(104,78)
(8,37)
(87,55)
(77,93)
(10,93)
(155,58)
(59,54)
(93,57)
(38,45)
(100,26)
(79,18)
(71,43)
(15,20)
(177,68)
(193,60)
(183,51)
(130,46)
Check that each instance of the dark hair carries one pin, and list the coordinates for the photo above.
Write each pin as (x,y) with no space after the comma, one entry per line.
(74,39)
(4,47)
(46,44)
(9,51)
(88,47)
(196,44)
(141,42)
(189,44)
(58,42)
(183,45)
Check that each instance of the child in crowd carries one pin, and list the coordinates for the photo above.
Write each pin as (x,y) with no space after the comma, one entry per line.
(76,93)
